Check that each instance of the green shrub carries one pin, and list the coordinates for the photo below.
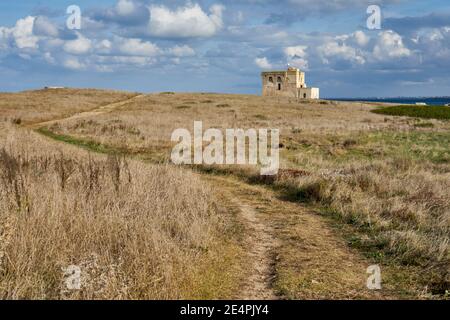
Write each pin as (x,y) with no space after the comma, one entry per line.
(427,112)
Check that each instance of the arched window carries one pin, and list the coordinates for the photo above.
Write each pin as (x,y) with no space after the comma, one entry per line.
(279,79)
(271,79)
(304,96)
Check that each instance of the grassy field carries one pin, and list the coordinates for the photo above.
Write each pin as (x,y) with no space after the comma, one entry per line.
(133,228)
(427,112)
(374,188)
(41,105)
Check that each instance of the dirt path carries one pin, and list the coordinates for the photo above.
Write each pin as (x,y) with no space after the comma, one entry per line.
(292,253)
(261,251)
(101,110)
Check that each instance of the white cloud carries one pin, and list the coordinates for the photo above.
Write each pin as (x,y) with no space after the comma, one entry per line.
(431,47)
(54,43)
(182,51)
(73,63)
(104,47)
(27,35)
(296,56)
(23,33)
(263,63)
(123,61)
(305,8)
(137,47)
(49,58)
(390,45)
(125,7)
(333,50)
(79,46)
(185,22)
(40,39)
(361,38)
(357,49)
(43,26)
(296,52)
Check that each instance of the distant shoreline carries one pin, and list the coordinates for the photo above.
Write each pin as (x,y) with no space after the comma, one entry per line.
(432,101)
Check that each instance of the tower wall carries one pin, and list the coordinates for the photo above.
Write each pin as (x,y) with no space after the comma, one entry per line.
(289,83)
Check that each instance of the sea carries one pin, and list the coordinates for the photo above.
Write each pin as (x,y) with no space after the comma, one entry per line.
(431,101)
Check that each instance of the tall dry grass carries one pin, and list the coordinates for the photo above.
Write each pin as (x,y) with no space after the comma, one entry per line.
(400,206)
(136,231)
(387,176)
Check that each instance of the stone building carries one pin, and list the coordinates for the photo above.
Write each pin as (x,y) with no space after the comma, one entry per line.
(289,83)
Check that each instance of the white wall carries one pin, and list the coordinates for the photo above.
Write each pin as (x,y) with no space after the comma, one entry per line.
(309,93)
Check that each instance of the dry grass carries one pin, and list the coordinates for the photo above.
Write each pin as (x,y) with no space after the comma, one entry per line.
(401,208)
(140,233)
(41,105)
(386,176)
(135,230)
(147,123)
(397,184)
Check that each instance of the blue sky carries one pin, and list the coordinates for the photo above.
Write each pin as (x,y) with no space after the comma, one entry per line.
(222,46)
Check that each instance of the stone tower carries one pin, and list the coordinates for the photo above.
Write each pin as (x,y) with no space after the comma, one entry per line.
(289,83)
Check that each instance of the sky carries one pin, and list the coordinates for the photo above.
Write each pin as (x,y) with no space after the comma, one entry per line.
(223,46)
